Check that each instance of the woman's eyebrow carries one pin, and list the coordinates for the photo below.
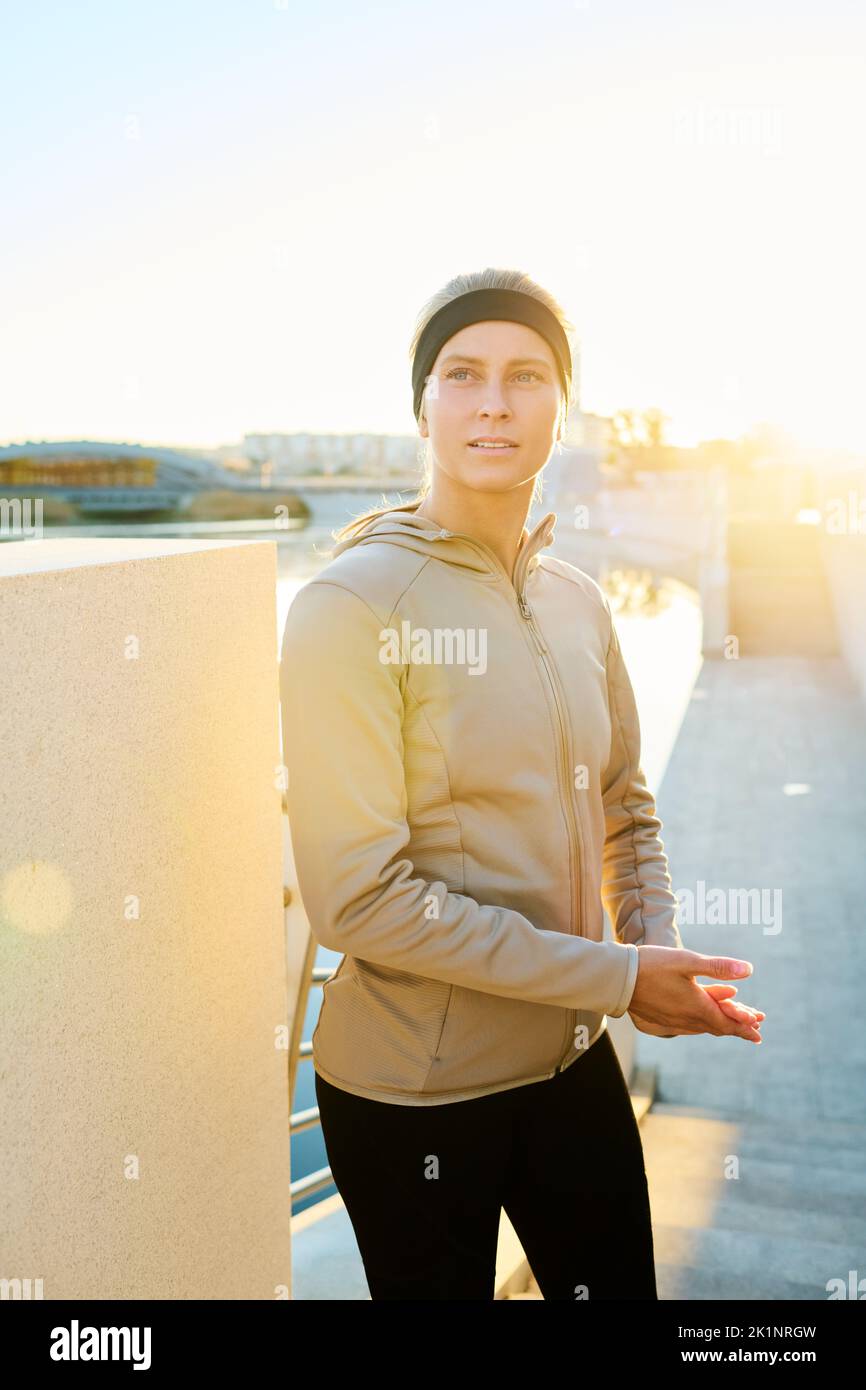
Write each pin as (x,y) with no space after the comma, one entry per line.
(481,362)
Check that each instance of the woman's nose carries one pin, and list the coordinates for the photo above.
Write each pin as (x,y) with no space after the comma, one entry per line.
(495,400)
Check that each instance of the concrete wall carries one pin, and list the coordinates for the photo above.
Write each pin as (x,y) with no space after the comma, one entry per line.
(144,1150)
(842,509)
(845,567)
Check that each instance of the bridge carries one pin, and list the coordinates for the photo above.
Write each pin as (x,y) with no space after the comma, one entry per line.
(772,581)
(97,477)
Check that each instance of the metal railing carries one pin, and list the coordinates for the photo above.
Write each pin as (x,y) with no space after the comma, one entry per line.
(300,1120)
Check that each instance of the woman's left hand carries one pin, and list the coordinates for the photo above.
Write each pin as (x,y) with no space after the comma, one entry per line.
(741,1013)
(724,996)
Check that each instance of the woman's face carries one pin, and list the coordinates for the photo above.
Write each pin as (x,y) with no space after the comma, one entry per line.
(494,379)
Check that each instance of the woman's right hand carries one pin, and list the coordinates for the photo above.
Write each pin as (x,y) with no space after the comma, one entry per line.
(668,1002)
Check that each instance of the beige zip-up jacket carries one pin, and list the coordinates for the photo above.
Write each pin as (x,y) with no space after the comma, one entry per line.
(465,800)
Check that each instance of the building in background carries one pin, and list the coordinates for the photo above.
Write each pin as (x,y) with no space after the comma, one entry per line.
(305,455)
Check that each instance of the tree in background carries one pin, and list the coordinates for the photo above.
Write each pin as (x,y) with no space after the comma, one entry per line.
(637,442)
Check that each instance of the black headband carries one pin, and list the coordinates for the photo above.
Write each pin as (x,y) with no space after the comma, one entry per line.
(474,307)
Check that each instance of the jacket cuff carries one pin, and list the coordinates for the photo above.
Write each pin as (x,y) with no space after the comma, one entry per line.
(631,969)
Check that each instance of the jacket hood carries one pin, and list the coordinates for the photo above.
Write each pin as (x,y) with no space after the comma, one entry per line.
(403,527)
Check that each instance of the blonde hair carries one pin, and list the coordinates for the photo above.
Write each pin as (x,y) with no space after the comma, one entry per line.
(462,284)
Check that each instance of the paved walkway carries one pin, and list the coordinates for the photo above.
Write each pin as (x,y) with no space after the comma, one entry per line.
(790,1114)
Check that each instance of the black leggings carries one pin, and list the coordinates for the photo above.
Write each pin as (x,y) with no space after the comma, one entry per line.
(424,1185)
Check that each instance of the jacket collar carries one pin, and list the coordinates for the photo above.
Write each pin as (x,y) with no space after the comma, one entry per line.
(401,526)
(532,542)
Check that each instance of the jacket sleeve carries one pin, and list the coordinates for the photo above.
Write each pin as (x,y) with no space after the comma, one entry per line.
(636,884)
(342,715)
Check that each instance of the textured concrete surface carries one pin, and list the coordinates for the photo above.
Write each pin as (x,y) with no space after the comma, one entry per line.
(757,1154)
(144,1149)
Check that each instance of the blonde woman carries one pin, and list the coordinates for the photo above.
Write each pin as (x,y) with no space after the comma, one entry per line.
(465,799)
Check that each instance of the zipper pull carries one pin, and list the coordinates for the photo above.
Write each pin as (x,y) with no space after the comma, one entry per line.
(527,613)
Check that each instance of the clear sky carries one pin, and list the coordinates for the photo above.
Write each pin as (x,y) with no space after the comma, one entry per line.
(223,217)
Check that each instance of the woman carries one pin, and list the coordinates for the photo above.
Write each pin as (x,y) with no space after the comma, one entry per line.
(465,798)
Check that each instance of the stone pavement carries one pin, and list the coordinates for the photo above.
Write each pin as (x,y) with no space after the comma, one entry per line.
(788,1116)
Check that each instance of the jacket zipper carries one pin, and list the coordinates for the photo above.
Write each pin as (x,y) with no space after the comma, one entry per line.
(573,826)
(575,856)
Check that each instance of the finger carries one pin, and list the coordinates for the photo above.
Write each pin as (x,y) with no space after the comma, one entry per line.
(718,967)
(734,1006)
(741,1013)
(720,991)
(748,1028)
(735,1010)
(714,1018)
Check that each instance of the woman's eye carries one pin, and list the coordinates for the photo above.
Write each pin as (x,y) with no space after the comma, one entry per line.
(455,371)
